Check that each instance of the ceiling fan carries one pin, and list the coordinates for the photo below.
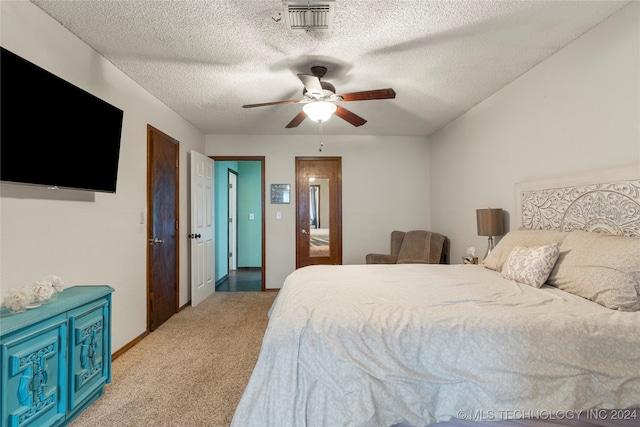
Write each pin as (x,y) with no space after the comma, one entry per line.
(320,100)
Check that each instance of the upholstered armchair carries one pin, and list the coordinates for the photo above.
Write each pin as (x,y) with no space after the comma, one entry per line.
(414,247)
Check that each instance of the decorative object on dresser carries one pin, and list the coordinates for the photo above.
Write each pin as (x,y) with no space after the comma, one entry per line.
(41,292)
(56,359)
(490,223)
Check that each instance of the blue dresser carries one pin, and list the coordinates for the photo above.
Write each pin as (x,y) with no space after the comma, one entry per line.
(56,358)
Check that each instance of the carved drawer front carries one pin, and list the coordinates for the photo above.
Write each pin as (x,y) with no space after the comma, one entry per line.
(34,374)
(89,351)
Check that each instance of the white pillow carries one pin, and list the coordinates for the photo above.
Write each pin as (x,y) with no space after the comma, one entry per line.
(531,265)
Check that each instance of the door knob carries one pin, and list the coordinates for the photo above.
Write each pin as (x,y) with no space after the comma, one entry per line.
(303,231)
(155,241)
(195,236)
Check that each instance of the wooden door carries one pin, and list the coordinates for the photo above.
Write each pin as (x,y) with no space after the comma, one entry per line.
(318,216)
(162,227)
(202,255)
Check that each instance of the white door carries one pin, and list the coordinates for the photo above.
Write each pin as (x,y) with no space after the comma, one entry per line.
(233,221)
(201,236)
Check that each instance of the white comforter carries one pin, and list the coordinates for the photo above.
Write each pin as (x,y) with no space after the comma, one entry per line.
(377,345)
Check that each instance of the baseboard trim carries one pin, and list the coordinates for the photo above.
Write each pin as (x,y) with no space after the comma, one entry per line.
(128,346)
(222,279)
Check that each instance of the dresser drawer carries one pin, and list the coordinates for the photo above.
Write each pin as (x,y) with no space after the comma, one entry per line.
(89,350)
(34,374)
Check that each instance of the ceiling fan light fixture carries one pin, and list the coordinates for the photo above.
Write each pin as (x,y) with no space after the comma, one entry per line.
(319,111)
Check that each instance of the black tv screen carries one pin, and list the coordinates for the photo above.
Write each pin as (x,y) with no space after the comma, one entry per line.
(54,133)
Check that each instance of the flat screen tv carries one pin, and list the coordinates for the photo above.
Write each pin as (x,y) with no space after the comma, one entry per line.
(54,133)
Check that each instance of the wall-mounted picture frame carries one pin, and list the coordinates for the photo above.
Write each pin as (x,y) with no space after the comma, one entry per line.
(280,193)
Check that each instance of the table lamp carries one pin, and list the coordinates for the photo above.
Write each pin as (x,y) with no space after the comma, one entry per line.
(490,223)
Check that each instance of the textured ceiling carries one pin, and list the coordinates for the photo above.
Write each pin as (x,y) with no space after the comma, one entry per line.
(205,59)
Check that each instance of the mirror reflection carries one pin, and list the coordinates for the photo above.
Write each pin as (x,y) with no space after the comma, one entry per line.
(319,217)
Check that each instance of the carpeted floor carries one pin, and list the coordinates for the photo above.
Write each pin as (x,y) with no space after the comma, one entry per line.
(191,371)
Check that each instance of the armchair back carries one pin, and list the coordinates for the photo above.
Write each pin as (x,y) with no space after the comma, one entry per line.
(413,247)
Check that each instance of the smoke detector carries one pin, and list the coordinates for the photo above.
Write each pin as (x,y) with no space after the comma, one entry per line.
(309,15)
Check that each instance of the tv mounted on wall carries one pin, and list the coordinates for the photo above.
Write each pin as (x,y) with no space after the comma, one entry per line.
(54,133)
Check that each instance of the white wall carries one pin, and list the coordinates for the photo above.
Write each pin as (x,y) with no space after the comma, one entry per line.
(578,111)
(89,238)
(385,187)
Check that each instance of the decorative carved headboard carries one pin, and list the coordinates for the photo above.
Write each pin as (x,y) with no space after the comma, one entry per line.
(604,202)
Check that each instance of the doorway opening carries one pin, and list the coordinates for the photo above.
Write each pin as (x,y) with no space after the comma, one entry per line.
(239,223)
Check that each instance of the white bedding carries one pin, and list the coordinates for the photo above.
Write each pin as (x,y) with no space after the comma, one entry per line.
(378,345)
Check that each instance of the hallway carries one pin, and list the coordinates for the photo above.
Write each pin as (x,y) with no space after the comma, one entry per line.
(243,279)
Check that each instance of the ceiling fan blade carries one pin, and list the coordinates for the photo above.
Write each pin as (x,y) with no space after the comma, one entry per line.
(369,94)
(292,101)
(350,117)
(312,84)
(297,120)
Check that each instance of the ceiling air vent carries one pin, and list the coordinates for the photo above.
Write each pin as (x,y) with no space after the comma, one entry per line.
(309,15)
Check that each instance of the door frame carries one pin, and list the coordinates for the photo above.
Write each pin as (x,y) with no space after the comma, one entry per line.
(150,216)
(260,159)
(232,261)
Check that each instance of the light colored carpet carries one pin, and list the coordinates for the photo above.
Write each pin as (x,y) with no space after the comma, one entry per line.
(191,371)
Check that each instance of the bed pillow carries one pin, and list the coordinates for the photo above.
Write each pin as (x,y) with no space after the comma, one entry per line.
(600,267)
(529,238)
(531,265)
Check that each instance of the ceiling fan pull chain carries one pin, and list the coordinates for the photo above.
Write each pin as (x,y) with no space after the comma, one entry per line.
(320,136)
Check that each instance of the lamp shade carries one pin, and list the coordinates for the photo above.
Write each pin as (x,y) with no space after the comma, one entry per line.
(319,111)
(490,222)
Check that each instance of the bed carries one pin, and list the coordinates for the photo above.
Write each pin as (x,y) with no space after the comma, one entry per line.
(501,343)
